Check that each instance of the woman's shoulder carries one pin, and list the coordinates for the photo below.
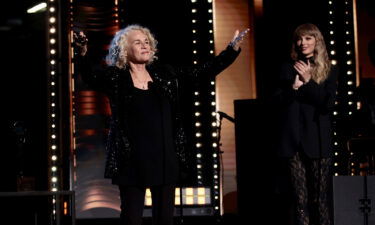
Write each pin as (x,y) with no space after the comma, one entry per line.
(114,71)
(163,69)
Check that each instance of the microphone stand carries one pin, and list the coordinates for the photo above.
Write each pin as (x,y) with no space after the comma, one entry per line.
(221,116)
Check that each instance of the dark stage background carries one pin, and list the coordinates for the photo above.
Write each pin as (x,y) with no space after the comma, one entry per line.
(23,97)
(263,190)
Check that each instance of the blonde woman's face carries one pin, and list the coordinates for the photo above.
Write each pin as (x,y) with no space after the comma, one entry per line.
(306,45)
(139,49)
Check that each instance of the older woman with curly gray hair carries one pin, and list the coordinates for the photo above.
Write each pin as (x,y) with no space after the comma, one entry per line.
(117,53)
(146,141)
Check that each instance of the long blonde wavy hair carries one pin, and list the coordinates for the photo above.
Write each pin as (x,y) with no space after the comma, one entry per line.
(322,64)
(117,55)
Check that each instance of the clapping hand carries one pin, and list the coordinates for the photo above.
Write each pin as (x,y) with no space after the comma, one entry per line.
(297,82)
(238,38)
(304,70)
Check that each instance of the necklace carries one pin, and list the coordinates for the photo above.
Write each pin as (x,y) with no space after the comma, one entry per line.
(142,84)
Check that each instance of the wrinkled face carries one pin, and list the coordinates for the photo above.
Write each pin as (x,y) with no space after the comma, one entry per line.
(138,50)
(306,45)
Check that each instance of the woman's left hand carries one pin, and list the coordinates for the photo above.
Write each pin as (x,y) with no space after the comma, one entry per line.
(304,70)
(238,38)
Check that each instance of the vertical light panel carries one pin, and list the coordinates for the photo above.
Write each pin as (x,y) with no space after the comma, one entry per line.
(217,185)
(197,112)
(205,117)
(53,115)
(350,65)
(53,98)
(332,52)
(341,47)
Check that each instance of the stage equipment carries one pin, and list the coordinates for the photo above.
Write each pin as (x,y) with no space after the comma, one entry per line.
(354,198)
(257,165)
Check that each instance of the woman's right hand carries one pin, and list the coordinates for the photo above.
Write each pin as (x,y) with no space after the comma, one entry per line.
(80,43)
(297,83)
(238,38)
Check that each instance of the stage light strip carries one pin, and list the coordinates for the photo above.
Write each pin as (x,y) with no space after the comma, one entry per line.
(345,104)
(217,185)
(53,65)
(331,48)
(350,68)
(196,96)
(53,116)
(116,14)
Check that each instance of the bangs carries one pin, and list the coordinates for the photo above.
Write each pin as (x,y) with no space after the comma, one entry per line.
(306,29)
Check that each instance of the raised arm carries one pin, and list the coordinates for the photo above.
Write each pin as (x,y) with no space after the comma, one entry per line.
(93,73)
(220,62)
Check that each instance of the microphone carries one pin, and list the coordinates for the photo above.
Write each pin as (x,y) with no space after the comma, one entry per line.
(226,116)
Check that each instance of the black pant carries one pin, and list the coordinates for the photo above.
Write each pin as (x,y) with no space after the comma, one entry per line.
(132,204)
(311,183)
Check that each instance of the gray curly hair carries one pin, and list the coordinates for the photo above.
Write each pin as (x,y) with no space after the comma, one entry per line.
(117,49)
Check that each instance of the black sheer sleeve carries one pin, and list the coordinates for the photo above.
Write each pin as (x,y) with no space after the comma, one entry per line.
(96,75)
(212,67)
(284,93)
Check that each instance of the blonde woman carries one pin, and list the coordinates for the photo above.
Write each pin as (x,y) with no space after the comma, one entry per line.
(146,141)
(305,98)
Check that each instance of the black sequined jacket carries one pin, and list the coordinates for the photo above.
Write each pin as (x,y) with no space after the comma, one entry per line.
(116,84)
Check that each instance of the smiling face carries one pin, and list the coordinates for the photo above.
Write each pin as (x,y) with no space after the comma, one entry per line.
(306,45)
(138,49)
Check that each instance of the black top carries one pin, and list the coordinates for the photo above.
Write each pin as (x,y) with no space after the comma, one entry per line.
(153,160)
(304,115)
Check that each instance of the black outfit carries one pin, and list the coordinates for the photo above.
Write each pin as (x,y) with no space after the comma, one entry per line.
(150,129)
(305,114)
(304,138)
(145,146)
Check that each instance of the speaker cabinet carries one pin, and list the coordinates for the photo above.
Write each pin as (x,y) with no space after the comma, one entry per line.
(354,200)
(257,167)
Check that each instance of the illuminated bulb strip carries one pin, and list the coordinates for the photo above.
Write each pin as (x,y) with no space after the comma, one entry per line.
(198,135)
(350,58)
(331,49)
(116,14)
(217,198)
(347,93)
(52,39)
(52,68)
(197,102)
(350,84)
